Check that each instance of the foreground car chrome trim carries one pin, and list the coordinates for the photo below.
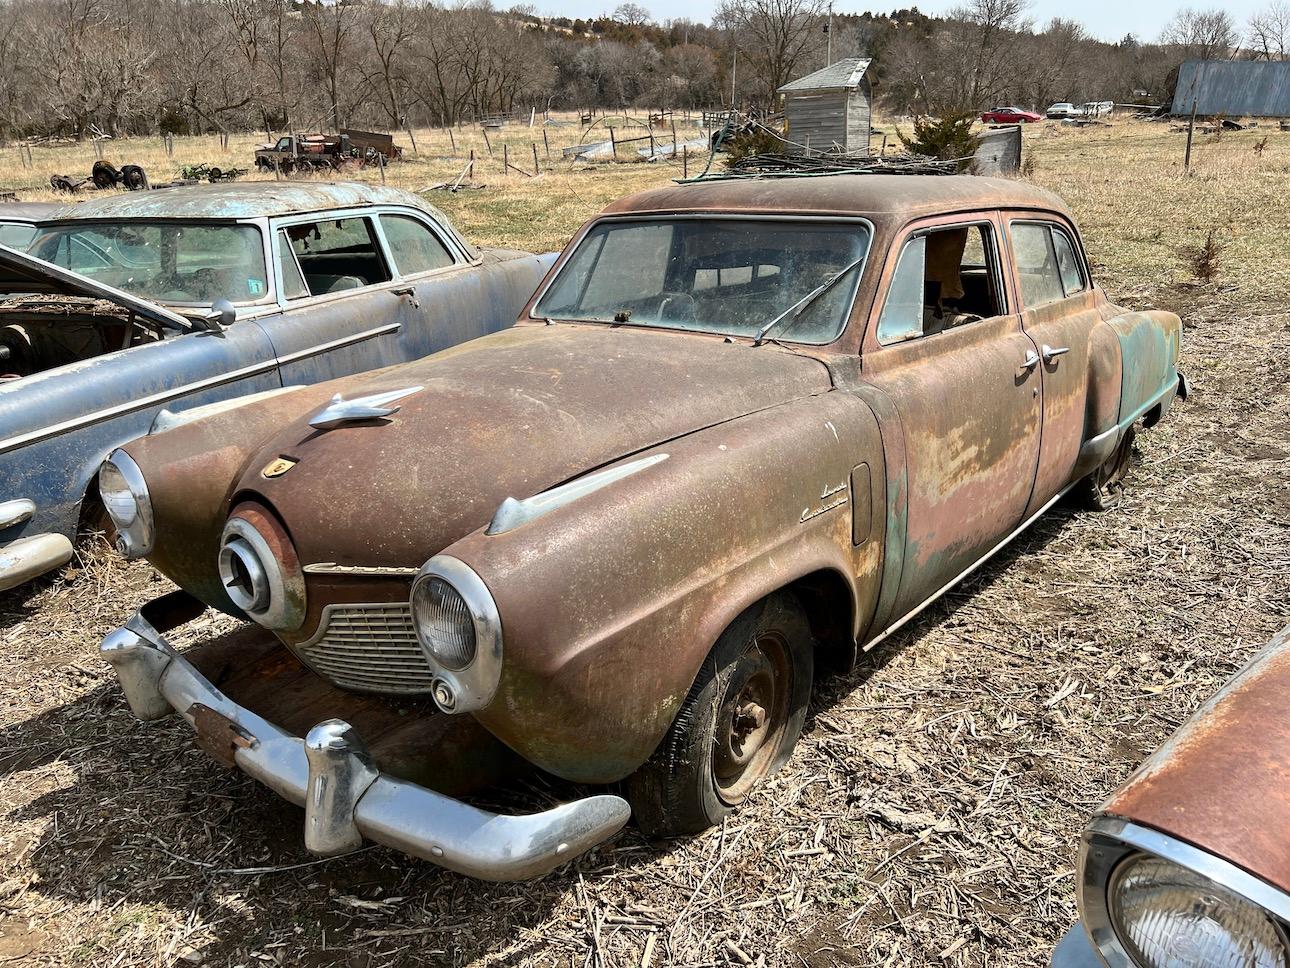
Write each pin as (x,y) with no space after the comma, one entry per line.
(512,512)
(1108,841)
(32,556)
(329,773)
(16,512)
(340,411)
(1075,951)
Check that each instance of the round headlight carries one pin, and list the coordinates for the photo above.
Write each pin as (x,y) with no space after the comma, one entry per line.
(444,623)
(124,493)
(1167,916)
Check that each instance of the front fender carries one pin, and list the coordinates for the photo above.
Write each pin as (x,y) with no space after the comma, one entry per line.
(610,604)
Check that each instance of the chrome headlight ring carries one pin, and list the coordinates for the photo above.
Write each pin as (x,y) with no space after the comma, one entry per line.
(255,576)
(1109,846)
(465,680)
(124,494)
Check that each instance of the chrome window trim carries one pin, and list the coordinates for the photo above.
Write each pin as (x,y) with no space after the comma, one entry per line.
(554,273)
(473,687)
(1108,841)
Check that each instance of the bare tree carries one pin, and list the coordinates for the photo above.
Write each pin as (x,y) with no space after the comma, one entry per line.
(1202,34)
(1269,32)
(774,37)
(390,28)
(631,15)
(329,27)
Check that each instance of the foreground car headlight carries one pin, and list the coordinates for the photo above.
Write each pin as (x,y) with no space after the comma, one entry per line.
(1150,901)
(460,632)
(124,493)
(1166,915)
(259,569)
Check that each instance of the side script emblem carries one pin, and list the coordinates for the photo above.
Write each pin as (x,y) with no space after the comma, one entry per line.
(278,466)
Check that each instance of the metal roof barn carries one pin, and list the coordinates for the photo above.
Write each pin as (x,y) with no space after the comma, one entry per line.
(1236,89)
(830,110)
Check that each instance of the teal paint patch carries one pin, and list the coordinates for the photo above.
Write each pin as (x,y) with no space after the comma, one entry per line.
(897,510)
(1149,345)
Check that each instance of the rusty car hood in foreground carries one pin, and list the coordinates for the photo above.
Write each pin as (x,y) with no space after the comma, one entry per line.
(508,415)
(1222,782)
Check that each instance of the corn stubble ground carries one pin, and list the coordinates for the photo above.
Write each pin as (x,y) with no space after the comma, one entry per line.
(931,811)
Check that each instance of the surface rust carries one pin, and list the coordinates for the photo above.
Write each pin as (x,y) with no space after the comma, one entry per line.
(1222,781)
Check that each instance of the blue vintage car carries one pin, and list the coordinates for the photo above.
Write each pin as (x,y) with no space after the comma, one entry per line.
(127,306)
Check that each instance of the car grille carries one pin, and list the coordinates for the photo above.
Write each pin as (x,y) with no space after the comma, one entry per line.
(371,648)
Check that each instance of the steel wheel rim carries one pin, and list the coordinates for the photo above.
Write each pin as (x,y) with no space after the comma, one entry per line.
(752,717)
(1110,477)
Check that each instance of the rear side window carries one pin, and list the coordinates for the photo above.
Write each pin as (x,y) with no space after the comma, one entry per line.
(16,235)
(337,254)
(1041,281)
(293,281)
(413,246)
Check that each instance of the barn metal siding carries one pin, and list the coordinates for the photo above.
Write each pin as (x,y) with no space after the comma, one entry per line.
(1256,89)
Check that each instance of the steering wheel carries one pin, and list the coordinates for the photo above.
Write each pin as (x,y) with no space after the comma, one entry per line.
(678,306)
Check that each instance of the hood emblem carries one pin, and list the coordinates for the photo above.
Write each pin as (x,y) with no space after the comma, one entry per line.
(278,466)
(341,411)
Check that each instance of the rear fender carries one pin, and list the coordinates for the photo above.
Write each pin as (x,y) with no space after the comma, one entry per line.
(1149,346)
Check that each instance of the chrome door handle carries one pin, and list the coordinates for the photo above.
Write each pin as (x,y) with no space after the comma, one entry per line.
(1031,360)
(412,296)
(1051,353)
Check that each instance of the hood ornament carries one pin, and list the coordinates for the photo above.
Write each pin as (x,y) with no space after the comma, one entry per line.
(341,411)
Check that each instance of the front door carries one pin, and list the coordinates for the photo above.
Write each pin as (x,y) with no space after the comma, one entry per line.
(1060,315)
(962,378)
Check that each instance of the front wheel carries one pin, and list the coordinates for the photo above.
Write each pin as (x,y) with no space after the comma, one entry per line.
(1102,489)
(737,726)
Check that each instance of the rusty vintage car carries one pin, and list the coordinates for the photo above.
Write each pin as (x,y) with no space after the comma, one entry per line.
(1187,864)
(743,428)
(125,310)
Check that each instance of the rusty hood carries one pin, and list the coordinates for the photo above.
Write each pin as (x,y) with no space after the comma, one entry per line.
(1222,782)
(508,415)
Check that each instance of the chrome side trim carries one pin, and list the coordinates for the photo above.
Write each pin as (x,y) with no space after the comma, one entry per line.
(340,411)
(143,403)
(512,512)
(326,774)
(1108,841)
(16,512)
(464,690)
(331,568)
(169,419)
(913,613)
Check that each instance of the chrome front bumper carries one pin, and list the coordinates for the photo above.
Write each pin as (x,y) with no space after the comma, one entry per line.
(1075,951)
(30,556)
(345,796)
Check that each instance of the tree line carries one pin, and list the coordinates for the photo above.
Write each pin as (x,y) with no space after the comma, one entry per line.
(85,67)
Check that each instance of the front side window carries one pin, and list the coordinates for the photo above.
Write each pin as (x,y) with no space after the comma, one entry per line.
(186,263)
(1041,280)
(714,275)
(292,279)
(336,255)
(413,246)
(944,278)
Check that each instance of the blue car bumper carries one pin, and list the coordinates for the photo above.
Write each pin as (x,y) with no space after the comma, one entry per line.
(1075,951)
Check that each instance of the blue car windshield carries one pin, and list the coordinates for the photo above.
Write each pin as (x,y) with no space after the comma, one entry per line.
(193,263)
(713,275)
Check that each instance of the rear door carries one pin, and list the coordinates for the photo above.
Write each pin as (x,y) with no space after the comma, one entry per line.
(947,349)
(1059,313)
(342,312)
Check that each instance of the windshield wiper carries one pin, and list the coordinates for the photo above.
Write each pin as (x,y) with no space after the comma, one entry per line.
(794,311)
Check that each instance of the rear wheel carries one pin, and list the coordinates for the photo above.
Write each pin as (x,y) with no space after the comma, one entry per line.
(737,726)
(1102,489)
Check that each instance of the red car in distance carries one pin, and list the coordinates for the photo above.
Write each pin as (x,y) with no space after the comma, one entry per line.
(1010,116)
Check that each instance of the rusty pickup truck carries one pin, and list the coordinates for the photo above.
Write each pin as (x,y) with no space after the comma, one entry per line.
(1187,864)
(744,428)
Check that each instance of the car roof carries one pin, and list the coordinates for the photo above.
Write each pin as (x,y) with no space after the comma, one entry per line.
(229,200)
(908,196)
(28,211)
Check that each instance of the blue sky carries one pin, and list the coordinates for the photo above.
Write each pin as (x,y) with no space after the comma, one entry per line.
(1107,19)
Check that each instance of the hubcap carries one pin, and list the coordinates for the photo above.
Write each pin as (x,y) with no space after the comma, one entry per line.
(751,718)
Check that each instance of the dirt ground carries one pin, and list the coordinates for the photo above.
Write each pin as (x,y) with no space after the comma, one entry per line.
(930,813)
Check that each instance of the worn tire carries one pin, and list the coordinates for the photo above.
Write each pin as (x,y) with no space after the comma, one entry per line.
(1102,489)
(692,780)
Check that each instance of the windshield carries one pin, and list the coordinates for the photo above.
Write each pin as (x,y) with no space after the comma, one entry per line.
(713,275)
(191,263)
(16,235)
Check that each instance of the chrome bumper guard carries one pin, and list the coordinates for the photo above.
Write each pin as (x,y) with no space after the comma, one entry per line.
(345,796)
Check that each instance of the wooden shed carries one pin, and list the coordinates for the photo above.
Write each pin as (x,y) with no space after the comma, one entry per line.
(830,109)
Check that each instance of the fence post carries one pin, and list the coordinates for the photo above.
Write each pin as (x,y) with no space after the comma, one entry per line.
(453,142)
(506,162)
(472,164)
(673,136)
(613,143)
(1191,127)
(536,170)
(685,161)
(488,143)
(380,160)
(547,143)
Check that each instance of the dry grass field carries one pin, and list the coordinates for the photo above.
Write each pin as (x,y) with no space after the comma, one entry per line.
(930,813)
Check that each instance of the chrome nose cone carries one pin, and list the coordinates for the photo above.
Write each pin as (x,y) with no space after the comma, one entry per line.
(259,570)
(243,575)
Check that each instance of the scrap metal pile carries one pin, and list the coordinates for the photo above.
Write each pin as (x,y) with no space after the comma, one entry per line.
(774,163)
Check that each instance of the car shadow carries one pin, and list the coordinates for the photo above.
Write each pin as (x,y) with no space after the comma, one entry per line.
(148,818)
